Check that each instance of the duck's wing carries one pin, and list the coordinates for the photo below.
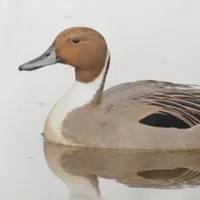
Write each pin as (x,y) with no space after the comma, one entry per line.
(173,108)
(155,103)
(138,116)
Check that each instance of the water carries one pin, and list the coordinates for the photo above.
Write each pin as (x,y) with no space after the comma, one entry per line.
(147,40)
(85,171)
(144,169)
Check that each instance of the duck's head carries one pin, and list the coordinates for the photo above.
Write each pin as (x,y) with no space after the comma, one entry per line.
(81,47)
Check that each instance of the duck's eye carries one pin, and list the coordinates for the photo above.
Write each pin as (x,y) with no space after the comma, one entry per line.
(75,40)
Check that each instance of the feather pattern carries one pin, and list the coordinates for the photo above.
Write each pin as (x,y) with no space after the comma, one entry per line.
(183,105)
(162,104)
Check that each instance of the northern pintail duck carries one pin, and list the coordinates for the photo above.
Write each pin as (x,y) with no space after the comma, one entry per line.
(143,114)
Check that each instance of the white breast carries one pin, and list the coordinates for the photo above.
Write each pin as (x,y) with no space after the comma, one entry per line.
(79,95)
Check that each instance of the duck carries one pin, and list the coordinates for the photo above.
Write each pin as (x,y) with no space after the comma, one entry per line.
(145,114)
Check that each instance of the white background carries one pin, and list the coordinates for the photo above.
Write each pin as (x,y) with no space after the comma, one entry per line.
(147,39)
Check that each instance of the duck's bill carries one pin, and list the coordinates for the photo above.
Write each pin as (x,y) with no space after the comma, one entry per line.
(47,58)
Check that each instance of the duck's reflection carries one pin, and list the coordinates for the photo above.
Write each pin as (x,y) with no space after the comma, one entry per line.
(82,186)
(80,168)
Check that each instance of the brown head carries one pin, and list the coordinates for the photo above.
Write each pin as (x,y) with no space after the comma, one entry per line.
(81,47)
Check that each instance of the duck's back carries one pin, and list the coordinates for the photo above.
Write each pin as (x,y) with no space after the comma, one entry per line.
(139,115)
(154,103)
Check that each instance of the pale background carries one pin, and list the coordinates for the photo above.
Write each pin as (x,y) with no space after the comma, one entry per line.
(147,39)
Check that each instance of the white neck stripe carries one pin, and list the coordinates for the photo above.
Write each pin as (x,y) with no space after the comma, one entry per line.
(79,95)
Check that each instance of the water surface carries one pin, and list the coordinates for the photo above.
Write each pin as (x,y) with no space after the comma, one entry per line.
(147,40)
(81,168)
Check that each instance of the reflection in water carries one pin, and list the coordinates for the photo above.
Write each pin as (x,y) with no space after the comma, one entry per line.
(80,168)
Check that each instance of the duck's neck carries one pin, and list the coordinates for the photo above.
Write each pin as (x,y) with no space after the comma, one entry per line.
(79,95)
